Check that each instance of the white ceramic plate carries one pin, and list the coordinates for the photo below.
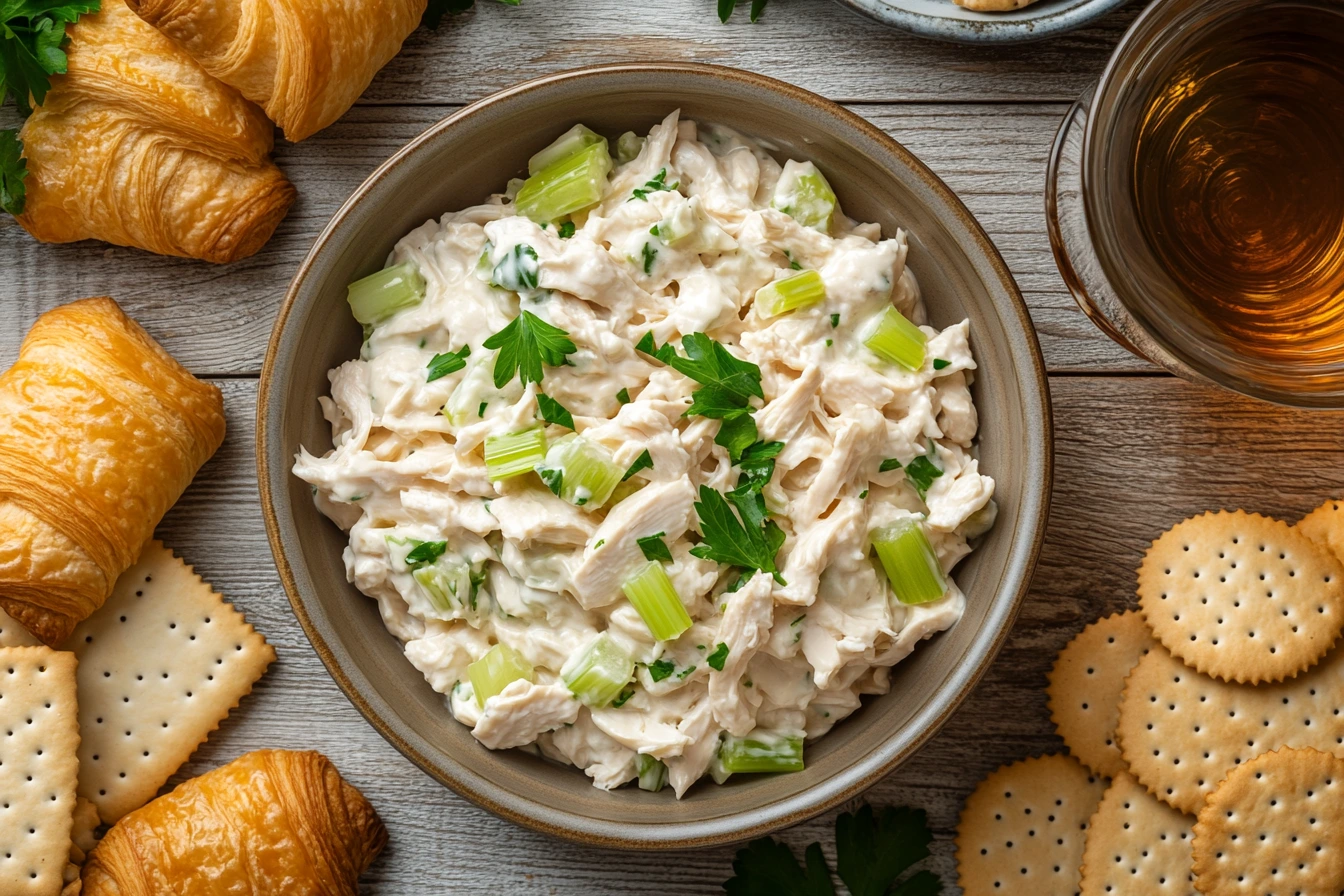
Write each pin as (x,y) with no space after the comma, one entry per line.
(945,20)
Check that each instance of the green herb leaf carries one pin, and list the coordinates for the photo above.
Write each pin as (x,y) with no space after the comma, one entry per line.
(649,255)
(758,465)
(793,264)
(525,345)
(921,472)
(750,542)
(718,657)
(766,867)
(655,184)
(518,270)
(13,169)
(681,676)
(660,669)
(623,697)
(835,321)
(726,9)
(654,547)
(888,465)
(553,411)
(32,41)
(872,851)
(623,396)
(941,363)
(729,382)
(480,411)
(554,479)
(426,552)
(448,362)
(736,433)
(565,229)
(643,462)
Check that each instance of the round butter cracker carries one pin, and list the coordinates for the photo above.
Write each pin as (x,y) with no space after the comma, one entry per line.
(1137,844)
(1086,683)
(1274,827)
(1325,526)
(1242,597)
(1023,829)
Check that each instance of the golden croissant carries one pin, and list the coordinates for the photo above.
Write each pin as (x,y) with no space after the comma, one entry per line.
(100,432)
(136,145)
(270,823)
(304,61)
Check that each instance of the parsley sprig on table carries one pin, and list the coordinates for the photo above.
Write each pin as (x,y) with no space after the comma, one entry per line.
(872,851)
(525,345)
(437,9)
(726,8)
(32,49)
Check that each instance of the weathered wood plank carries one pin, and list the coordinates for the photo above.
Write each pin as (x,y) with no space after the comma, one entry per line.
(1135,454)
(815,44)
(217,320)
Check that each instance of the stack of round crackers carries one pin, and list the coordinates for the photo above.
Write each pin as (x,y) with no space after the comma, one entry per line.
(1206,730)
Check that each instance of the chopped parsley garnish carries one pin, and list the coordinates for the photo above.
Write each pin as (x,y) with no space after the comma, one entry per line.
(872,851)
(623,697)
(681,676)
(758,465)
(888,465)
(600,542)
(566,230)
(835,321)
(518,269)
(480,411)
(13,169)
(750,542)
(921,472)
(648,254)
(941,363)
(426,552)
(736,434)
(799,620)
(660,669)
(623,396)
(718,657)
(793,265)
(728,383)
(830,342)
(553,411)
(863,494)
(447,362)
(656,184)
(726,9)
(643,462)
(525,345)
(654,547)
(552,477)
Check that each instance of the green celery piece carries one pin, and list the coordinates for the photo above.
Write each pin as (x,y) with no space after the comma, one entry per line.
(581,471)
(652,773)
(566,187)
(447,581)
(598,673)
(803,194)
(380,295)
(628,146)
(897,340)
(572,141)
(500,667)
(652,595)
(791,293)
(762,751)
(910,563)
(514,454)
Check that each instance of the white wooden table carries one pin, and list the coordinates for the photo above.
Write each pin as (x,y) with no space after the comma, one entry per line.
(1137,450)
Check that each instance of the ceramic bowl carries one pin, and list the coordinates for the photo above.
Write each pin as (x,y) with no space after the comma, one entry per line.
(944,20)
(456,163)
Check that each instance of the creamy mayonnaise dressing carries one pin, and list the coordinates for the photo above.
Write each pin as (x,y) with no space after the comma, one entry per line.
(546,575)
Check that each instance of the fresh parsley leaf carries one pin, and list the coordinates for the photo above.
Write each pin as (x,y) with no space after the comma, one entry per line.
(726,9)
(623,396)
(32,41)
(649,255)
(718,657)
(888,465)
(873,850)
(554,479)
(553,411)
(835,321)
(736,433)
(766,867)
(654,547)
(660,669)
(643,462)
(863,494)
(750,542)
(758,465)
(941,363)
(709,364)
(757,7)
(447,362)
(426,552)
(518,270)
(480,411)
(655,184)
(437,9)
(681,676)
(921,472)
(13,169)
(624,696)
(793,263)
(525,345)
(565,229)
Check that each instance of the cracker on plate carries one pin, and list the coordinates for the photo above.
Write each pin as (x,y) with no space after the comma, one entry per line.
(161,664)
(1022,830)
(1242,597)
(1086,683)
(1325,526)
(1274,827)
(1137,844)
(39,768)
(1181,732)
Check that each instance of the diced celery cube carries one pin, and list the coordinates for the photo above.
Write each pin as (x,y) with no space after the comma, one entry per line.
(798,291)
(598,673)
(910,563)
(628,146)
(447,581)
(500,667)
(651,594)
(895,339)
(652,773)
(762,751)
(572,141)
(514,454)
(570,185)
(581,471)
(803,194)
(380,295)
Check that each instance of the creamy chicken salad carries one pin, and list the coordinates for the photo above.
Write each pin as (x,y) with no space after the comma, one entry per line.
(653,462)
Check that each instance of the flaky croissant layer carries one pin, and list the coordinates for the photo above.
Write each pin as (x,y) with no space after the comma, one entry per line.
(271,822)
(304,61)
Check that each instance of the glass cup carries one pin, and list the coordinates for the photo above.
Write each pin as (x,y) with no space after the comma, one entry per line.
(1099,241)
